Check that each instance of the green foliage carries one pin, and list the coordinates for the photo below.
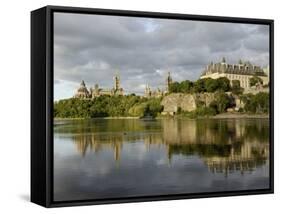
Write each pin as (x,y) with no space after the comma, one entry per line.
(211,85)
(224,84)
(185,86)
(255,80)
(258,103)
(221,103)
(138,110)
(174,87)
(200,112)
(200,86)
(205,111)
(107,106)
(236,88)
(154,107)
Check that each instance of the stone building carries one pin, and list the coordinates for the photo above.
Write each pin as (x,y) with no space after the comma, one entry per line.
(158,93)
(116,90)
(82,91)
(242,71)
(149,93)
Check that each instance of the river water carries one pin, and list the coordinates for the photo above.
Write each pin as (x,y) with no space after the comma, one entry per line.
(113,158)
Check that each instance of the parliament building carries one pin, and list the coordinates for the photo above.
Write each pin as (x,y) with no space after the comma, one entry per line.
(242,71)
(158,93)
(84,93)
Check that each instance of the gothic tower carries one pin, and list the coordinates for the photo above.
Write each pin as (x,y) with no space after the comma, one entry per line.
(147,91)
(116,82)
(168,81)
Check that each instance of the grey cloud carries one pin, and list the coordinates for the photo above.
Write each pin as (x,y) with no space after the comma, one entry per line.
(94,47)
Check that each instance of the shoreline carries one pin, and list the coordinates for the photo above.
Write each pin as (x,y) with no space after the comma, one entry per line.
(81,118)
(240,116)
(218,116)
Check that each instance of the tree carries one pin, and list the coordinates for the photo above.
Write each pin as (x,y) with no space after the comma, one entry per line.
(258,103)
(154,107)
(199,86)
(138,110)
(236,88)
(255,80)
(186,86)
(174,87)
(104,106)
(262,102)
(211,85)
(222,102)
(223,84)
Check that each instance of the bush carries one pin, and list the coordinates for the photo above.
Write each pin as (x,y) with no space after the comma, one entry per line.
(200,112)
(258,103)
(205,111)
(138,110)
(221,103)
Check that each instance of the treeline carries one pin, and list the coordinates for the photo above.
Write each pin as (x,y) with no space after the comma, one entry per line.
(258,103)
(107,106)
(210,85)
(253,104)
(137,106)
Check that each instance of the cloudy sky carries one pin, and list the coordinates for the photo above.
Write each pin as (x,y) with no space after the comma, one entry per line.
(143,50)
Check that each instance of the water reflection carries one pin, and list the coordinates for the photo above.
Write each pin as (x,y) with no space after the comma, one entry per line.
(96,159)
(225,146)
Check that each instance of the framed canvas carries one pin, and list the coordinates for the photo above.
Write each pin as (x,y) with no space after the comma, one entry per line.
(131,106)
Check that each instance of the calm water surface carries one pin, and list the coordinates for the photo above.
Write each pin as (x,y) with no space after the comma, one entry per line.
(107,158)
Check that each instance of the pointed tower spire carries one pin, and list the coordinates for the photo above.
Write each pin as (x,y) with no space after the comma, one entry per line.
(168,81)
(83,83)
(116,81)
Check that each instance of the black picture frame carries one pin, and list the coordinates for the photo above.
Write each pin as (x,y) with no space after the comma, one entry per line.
(42,104)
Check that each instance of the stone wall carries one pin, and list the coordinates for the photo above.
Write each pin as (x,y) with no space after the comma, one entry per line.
(189,102)
(186,102)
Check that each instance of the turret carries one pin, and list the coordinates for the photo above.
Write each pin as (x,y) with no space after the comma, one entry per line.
(168,81)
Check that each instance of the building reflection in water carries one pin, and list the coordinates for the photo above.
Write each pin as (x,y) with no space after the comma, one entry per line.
(225,146)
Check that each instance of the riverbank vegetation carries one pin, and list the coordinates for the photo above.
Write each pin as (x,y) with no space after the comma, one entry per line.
(108,106)
(257,104)
(201,86)
(138,106)
(221,102)
(253,104)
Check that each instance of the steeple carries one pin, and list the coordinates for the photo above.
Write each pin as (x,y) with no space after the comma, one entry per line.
(168,81)
(223,60)
(116,81)
(147,91)
(83,84)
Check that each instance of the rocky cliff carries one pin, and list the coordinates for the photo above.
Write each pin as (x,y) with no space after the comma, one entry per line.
(185,102)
